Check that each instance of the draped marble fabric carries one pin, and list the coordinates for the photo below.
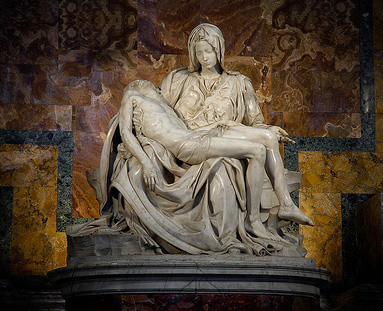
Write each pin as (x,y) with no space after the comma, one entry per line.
(195,208)
(199,208)
(228,98)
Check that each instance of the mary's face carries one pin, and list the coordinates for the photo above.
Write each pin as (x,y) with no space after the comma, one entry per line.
(205,54)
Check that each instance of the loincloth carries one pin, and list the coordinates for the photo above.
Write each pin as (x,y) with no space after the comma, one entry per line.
(194,148)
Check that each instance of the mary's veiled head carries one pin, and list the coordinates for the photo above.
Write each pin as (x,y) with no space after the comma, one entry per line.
(213,35)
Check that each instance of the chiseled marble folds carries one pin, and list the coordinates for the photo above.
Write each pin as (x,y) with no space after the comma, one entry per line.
(91,124)
(63,65)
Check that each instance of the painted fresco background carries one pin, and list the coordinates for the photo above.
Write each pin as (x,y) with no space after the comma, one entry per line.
(64,64)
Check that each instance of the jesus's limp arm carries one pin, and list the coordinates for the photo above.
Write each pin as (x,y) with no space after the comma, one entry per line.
(132,144)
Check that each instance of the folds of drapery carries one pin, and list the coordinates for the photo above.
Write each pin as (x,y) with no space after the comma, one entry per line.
(194,209)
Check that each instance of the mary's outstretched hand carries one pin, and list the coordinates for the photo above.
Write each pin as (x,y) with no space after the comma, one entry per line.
(282,135)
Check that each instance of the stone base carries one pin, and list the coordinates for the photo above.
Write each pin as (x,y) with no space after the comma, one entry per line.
(247,278)
(107,244)
(29,293)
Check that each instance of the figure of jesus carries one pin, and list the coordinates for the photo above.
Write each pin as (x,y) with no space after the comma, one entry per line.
(143,108)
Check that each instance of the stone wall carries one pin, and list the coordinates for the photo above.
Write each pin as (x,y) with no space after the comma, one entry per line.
(315,64)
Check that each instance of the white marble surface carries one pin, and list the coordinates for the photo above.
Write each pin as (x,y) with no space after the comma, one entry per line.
(191,161)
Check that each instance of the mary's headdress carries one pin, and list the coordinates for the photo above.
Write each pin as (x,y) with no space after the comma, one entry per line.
(213,35)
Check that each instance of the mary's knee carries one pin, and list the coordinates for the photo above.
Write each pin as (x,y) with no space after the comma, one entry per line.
(258,152)
(271,139)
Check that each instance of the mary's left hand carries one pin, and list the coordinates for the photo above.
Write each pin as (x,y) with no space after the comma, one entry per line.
(281,134)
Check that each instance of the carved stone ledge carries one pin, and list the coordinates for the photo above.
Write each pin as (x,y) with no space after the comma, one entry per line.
(206,274)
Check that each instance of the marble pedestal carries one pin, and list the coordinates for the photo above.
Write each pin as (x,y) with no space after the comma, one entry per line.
(244,280)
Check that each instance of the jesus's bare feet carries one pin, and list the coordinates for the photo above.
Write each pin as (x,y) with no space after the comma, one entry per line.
(293,213)
(276,235)
(260,231)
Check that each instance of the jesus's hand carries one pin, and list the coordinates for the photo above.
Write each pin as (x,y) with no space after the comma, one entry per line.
(150,175)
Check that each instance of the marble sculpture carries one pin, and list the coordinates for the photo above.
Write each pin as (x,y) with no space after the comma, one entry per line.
(191,167)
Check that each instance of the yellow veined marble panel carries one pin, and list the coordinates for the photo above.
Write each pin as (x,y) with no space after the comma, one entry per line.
(341,172)
(36,247)
(27,165)
(324,241)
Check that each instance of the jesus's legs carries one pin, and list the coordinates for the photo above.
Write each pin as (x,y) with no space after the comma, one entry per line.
(274,169)
(256,154)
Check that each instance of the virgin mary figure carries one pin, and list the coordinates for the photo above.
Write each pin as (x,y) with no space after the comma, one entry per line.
(199,208)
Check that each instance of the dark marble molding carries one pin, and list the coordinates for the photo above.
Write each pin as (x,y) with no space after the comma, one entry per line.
(64,141)
(366,143)
(243,274)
